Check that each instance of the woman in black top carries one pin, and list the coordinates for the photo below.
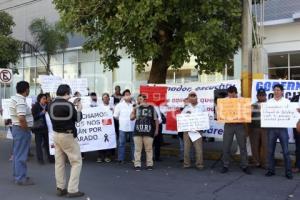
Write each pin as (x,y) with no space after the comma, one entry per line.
(40,128)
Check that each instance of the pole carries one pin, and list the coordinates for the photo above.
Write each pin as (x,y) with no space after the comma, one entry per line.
(246,48)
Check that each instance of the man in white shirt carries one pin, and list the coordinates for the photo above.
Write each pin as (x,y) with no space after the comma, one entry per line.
(22,121)
(122,113)
(193,107)
(281,134)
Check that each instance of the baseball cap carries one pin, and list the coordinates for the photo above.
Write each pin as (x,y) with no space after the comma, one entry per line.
(193,93)
(261,91)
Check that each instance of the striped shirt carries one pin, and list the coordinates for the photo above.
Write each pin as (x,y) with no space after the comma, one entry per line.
(19,107)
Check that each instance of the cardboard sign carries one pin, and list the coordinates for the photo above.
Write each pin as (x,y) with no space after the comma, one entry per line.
(192,122)
(279,115)
(234,110)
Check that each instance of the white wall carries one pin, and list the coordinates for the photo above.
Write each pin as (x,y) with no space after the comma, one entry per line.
(282,38)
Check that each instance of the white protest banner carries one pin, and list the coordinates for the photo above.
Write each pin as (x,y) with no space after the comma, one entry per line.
(5,107)
(279,115)
(95,131)
(174,95)
(192,122)
(49,83)
(291,88)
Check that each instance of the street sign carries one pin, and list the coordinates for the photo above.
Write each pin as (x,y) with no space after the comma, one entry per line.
(6,76)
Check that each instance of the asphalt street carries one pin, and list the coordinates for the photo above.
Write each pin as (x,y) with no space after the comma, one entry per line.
(111,181)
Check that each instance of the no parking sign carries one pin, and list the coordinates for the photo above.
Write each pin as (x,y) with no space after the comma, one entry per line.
(6,76)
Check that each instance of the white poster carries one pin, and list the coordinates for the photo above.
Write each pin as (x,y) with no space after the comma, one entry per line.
(279,115)
(49,83)
(78,85)
(192,122)
(5,107)
(96,131)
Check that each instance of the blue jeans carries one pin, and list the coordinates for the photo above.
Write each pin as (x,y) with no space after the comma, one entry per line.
(122,143)
(21,145)
(282,135)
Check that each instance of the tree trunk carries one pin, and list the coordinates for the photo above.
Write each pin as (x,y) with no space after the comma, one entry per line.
(159,68)
(48,71)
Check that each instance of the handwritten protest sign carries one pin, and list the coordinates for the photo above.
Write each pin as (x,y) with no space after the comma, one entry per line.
(49,83)
(192,122)
(95,131)
(234,110)
(279,115)
(78,85)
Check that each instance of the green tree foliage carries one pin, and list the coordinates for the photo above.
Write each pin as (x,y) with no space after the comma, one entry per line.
(166,32)
(48,38)
(9,47)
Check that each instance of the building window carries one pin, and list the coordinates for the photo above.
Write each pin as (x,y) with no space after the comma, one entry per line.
(281,73)
(284,66)
(295,59)
(278,60)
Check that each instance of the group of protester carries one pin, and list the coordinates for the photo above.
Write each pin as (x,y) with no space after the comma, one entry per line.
(139,121)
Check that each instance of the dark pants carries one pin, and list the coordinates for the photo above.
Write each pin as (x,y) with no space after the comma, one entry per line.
(21,145)
(239,131)
(297,144)
(42,142)
(157,143)
(282,135)
(259,146)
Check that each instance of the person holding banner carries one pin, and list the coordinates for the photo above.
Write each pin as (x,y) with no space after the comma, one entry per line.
(122,113)
(63,116)
(192,107)
(258,135)
(104,155)
(145,129)
(237,129)
(297,138)
(281,134)
(22,121)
